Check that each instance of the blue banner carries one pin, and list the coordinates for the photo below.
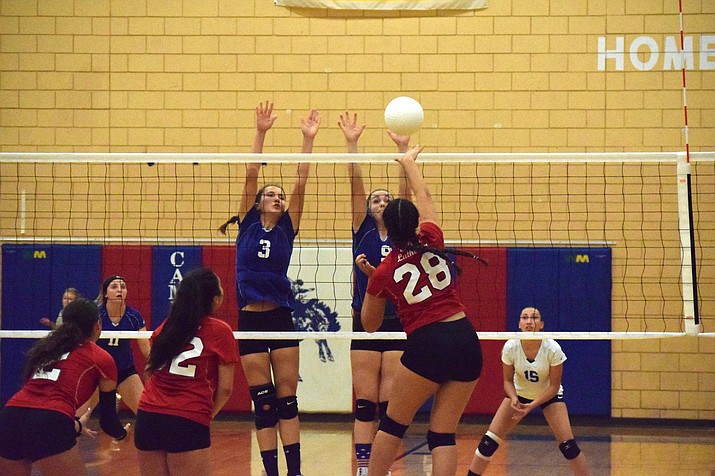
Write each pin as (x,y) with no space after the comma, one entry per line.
(572,289)
(34,278)
(169,264)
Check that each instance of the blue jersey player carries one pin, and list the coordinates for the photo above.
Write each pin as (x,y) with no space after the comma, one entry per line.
(268,225)
(117,316)
(373,362)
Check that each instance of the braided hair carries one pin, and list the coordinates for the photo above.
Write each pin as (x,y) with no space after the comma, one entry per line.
(402,219)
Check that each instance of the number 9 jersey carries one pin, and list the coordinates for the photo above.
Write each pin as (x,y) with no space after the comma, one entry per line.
(418,282)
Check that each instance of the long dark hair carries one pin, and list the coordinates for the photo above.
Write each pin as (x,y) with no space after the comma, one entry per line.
(401,219)
(237,218)
(194,300)
(79,319)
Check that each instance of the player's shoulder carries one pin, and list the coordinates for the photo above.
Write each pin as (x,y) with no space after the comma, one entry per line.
(510,346)
(134,314)
(95,351)
(552,345)
(216,323)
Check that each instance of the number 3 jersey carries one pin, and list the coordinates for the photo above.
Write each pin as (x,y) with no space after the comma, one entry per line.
(185,387)
(67,383)
(419,283)
(532,378)
(262,259)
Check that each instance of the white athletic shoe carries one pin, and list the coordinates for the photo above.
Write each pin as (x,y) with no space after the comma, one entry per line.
(361,471)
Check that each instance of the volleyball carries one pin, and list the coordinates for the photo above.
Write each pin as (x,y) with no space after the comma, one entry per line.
(404,116)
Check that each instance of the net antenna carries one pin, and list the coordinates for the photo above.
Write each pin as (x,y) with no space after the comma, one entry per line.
(685,204)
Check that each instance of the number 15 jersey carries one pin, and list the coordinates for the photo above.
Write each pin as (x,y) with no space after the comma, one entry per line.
(532,378)
(419,283)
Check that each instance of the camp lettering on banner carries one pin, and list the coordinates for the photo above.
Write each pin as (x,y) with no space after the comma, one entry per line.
(386,4)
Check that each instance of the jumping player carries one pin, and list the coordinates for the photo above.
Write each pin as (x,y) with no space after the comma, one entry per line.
(532,371)
(443,356)
(373,362)
(38,426)
(267,227)
(190,378)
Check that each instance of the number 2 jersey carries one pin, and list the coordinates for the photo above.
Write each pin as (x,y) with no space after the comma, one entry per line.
(262,259)
(186,387)
(67,383)
(419,283)
(532,378)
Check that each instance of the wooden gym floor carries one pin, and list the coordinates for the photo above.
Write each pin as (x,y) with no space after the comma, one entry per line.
(613,447)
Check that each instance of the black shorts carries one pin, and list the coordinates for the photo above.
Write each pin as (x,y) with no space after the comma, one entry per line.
(389,324)
(124,374)
(275,320)
(173,434)
(556,399)
(444,351)
(33,434)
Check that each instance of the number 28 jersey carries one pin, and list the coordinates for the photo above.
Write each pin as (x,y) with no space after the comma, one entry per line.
(186,387)
(419,283)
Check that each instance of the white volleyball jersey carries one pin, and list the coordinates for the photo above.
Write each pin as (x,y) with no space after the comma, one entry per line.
(532,378)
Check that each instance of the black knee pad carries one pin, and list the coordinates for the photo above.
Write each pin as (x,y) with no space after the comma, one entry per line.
(391,427)
(489,444)
(288,407)
(266,406)
(382,408)
(570,449)
(440,439)
(365,410)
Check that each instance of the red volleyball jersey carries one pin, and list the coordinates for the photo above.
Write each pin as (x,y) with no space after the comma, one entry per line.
(419,283)
(186,386)
(69,382)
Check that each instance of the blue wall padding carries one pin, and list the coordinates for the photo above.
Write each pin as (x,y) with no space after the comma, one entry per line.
(572,289)
(34,278)
(170,264)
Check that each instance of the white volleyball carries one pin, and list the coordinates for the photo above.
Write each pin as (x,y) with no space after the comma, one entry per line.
(404,116)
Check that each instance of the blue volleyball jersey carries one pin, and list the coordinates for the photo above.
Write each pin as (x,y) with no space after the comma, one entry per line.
(120,348)
(367,240)
(262,259)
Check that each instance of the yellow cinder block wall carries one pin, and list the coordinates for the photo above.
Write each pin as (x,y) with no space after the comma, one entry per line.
(183,76)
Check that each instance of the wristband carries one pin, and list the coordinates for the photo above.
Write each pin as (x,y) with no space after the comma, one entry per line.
(78,432)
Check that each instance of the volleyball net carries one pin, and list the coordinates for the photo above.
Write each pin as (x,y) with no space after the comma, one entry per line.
(617,245)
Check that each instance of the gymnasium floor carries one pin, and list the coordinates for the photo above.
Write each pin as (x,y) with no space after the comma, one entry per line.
(652,448)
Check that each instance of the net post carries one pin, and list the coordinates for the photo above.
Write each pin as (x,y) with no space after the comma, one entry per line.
(687,247)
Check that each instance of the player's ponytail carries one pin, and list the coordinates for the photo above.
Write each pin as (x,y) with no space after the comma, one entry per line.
(194,300)
(401,220)
(79,318)
(231,221)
